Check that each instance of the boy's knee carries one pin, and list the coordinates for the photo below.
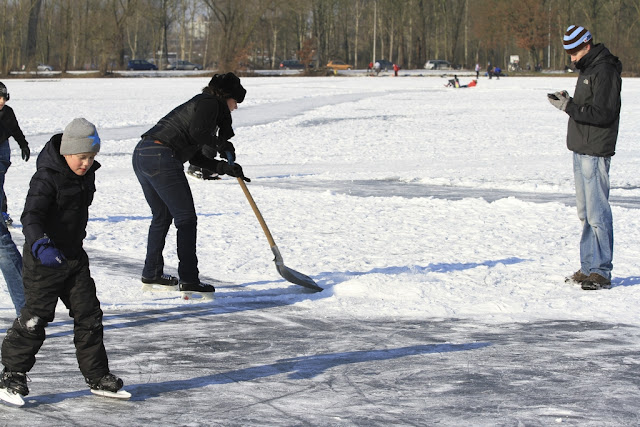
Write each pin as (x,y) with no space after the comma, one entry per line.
(91,322)
(27,325)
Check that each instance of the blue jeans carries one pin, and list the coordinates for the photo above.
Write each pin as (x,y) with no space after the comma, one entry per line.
(10,258)
(592,199)
(168,194)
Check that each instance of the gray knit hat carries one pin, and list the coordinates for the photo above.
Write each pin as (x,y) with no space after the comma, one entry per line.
(80,136)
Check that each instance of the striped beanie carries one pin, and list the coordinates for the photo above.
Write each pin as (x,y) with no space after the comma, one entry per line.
(575,39)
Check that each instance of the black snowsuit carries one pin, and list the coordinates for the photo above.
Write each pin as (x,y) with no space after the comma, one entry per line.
(57,205)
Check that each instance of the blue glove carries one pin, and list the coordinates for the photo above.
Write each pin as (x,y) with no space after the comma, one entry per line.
(560,100)
(47,253)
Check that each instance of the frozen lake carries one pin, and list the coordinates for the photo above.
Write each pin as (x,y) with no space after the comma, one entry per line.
(440,223)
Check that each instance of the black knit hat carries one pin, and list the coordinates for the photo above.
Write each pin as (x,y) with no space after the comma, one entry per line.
(229,86)
(3,91)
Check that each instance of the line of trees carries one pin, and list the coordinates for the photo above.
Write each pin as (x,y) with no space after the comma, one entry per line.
(236,35)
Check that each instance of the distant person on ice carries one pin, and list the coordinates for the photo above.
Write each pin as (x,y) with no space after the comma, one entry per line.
(594,116)
(377,67)
(185,134)
(10,258)
(9,128)
(454,82)
(54,223)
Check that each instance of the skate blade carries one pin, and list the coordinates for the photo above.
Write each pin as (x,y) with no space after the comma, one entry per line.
(120,394)
(10,398)
(590,286)
(191,295)
(195,175)
(153,287)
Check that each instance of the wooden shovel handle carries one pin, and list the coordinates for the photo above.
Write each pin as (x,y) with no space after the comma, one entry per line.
(256,211)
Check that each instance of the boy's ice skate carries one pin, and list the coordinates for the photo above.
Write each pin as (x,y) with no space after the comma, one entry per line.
(13,387)
(108,386)
(164,282)
(203,290)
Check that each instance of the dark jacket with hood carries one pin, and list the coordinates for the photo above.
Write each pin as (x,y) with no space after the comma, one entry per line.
(203,121)
(9,127)
(58,201)
(594,111)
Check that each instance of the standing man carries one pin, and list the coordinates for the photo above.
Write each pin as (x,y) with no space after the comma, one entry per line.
(594,116)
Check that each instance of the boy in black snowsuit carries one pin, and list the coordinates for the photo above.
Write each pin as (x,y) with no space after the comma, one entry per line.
(56,266)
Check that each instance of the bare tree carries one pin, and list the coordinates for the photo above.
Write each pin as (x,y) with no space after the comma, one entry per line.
(32,31)
(529,22)
(104,33)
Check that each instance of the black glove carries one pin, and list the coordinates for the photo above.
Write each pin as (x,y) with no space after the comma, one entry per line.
(226,150)
(235,169)
(26,153)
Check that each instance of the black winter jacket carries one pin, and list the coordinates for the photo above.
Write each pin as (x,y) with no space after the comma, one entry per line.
(58,202)
(594,112)
(9,127)
(193,125)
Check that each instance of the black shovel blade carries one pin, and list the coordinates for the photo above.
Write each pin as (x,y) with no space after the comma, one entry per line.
(291,275)
(297,278)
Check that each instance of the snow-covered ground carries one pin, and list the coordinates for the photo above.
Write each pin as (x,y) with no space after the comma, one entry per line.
(412,205)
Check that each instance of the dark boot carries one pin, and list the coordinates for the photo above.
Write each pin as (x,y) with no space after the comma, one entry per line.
(577,278)
(15,382)
(164,279)
(196,287)
(596,282)
(109,382)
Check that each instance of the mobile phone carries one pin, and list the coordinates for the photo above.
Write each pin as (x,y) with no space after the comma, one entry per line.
(552,96)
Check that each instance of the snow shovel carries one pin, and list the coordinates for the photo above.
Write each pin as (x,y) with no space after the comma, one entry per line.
(288,274)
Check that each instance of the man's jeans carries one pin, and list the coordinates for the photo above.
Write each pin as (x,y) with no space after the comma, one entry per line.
(168,194)
(10,258)
(592,200)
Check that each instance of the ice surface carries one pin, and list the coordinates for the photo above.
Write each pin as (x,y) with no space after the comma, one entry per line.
(440,222)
